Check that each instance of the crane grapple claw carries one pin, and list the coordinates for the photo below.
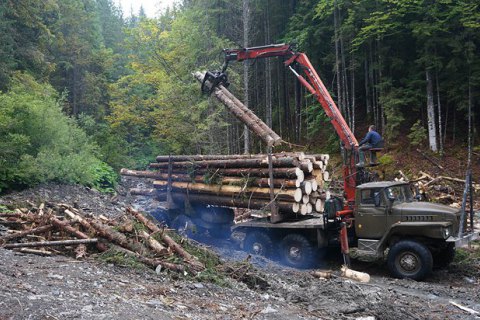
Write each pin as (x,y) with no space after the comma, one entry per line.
(215,78)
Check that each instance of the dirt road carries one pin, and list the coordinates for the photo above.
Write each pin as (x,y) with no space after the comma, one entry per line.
(58,287)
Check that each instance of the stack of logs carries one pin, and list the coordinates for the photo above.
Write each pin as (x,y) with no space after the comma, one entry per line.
(240,181)
(64,229)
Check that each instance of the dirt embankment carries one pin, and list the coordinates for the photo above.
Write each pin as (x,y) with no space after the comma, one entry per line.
(58,287)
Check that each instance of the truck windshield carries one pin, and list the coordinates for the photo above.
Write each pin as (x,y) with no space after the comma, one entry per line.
(401,193)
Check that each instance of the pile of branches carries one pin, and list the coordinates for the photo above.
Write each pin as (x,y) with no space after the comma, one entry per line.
(441,189)
(62,229)
(240,181)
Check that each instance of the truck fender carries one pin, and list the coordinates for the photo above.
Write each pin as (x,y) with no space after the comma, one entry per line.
(433,230)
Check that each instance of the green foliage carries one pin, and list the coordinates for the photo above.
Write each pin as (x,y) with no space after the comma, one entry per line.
(418,134)
(104,178)
(40,143)
(319,127)
(122,259)
(386,159)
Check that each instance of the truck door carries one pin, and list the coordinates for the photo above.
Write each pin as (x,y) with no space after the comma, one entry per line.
(371,218)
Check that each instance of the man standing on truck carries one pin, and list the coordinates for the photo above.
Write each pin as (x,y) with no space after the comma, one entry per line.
(372,140)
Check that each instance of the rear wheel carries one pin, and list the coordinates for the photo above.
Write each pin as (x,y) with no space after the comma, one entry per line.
(410,259)
(259,243)
(161,216)
(220,231)
(184,226)
(297,251)
(215,214)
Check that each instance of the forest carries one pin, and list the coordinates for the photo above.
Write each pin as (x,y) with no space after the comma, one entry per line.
(86,89)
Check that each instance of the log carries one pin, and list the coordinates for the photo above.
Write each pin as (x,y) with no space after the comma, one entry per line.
(244,114)
(322,274)
(326,176)
(285,162)
(22,234)
(199,157)
(287,173)
(309,208)
(49,243)
(169,241)
(154,244)
(34,251)
(305,199)
(75,217)
(154,263)
(240,181)
(250,113)
(68,228)
(117,237)
(355,275)
(319,205)
(224,190)
(233,202)
(303,209)
(143,192)
(318,176)
(296,207)
(306,187)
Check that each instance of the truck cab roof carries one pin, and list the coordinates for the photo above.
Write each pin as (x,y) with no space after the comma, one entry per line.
(381,184)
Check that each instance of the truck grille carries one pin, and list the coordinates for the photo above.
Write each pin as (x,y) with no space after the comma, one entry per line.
(418,218)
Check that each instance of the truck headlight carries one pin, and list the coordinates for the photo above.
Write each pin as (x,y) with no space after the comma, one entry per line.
(446,232)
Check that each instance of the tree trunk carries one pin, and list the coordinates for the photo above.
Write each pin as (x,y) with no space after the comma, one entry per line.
(432,137)
(246,30)
(268,71)
(337,58)
(440,133)
(298,109)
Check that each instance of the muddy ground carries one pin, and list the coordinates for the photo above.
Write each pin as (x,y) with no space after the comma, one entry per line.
(59,287)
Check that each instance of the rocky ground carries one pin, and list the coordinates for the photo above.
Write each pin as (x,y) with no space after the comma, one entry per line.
(58,287)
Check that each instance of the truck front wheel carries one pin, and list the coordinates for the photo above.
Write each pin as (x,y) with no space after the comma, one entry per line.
(409,259)
(297,251)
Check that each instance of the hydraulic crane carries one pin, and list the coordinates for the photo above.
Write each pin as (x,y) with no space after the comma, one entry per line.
(298,63)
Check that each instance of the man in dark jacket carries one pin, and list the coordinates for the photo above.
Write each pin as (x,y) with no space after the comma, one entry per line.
(372,140)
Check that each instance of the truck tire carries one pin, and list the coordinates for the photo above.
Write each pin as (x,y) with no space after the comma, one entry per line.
(215,214)
(220,231)
(444,257)
(161,216)
(184,226)
(259,243)
(410,259)
(297,251)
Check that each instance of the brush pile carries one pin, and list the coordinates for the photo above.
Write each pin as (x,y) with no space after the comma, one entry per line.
(61,229)
(240,181)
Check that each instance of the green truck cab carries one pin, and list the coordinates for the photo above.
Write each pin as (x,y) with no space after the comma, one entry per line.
(414,235)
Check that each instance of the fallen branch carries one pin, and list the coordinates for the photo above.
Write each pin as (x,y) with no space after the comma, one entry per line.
(22,234)
(49,243)
(169,241)
(471,311)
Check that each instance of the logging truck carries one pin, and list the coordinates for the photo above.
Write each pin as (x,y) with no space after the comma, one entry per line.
(378,219)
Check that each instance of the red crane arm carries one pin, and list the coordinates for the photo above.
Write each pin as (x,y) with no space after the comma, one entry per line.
(314,84)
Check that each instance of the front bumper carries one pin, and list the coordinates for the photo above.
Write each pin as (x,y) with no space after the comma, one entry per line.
(464,240)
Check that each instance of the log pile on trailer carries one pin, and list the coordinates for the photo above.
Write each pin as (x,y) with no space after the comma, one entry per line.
(240,181)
